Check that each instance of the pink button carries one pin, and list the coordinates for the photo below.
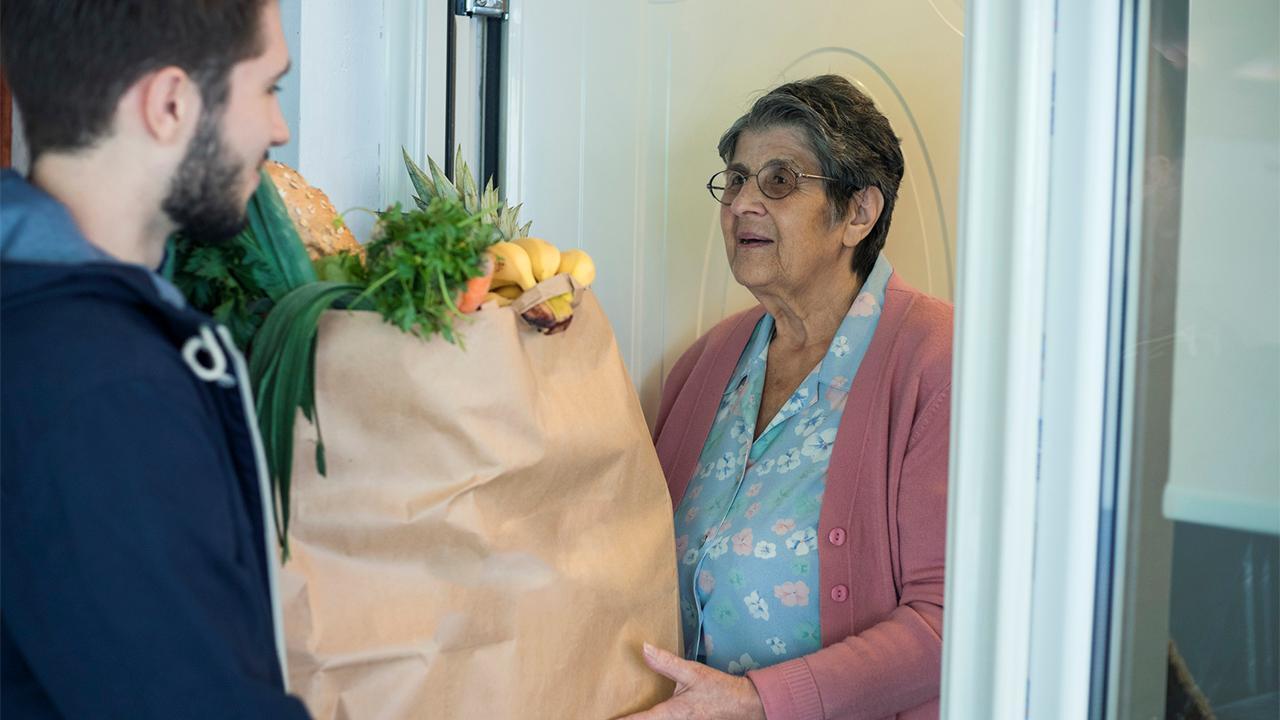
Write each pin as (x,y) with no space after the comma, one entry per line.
(837,536)
(840,593)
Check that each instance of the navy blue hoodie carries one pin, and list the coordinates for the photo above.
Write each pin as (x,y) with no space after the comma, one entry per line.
(136,529)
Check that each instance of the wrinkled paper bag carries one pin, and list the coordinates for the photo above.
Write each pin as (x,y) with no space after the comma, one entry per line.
(493,538)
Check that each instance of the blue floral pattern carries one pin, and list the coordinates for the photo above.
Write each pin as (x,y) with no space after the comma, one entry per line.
(746,530)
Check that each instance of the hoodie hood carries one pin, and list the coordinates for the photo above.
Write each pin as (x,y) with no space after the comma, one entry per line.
(45,262)
(38,230)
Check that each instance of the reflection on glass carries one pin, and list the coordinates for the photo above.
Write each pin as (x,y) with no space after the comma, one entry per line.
(1195,628)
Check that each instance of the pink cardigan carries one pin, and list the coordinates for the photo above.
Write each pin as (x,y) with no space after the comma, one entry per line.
(883,518)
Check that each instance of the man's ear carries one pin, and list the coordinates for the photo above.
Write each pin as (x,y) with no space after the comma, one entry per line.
(170,105)
(864,210)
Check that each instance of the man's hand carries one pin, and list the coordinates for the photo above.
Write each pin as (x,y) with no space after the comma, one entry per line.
(702,693)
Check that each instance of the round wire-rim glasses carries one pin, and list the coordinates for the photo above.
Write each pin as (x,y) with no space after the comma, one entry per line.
(775,181)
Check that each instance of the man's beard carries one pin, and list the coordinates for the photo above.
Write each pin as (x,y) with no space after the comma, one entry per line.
(204,197)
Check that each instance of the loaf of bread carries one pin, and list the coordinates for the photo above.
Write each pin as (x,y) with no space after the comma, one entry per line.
(318,223)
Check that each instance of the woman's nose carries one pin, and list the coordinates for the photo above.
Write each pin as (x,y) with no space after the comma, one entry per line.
(749,200)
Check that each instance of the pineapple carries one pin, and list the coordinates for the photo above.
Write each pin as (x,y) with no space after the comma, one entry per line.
(495,211)
(548,317)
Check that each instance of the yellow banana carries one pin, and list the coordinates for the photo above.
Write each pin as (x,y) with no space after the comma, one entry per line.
(512,266)
(509,292)
(495,297)
(561,306)
(543,256)
(578,264)
(551,315)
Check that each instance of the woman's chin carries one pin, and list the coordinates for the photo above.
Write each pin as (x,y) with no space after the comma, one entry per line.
(753,277)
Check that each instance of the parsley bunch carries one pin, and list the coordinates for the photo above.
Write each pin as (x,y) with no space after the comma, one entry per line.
(420,260)
(222,280)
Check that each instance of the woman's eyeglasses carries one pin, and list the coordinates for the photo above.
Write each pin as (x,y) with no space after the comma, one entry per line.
(775,181)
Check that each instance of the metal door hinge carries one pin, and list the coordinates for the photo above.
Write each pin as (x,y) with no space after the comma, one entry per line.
(483,8)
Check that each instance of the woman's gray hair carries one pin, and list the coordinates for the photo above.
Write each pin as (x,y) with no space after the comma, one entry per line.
(852,140)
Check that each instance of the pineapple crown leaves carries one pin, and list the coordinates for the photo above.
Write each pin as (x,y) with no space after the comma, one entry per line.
(488,204)
(467,186)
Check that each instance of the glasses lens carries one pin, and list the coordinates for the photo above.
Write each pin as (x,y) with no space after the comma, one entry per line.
(777,181)
(725,185)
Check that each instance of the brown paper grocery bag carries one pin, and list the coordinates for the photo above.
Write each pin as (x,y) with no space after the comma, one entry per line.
(493,538)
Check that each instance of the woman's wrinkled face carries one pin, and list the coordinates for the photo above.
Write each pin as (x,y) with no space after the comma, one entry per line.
(778,246)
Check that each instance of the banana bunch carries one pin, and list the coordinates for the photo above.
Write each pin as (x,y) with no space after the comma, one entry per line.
(522,263)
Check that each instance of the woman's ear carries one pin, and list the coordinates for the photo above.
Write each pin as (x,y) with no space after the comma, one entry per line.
(864,210)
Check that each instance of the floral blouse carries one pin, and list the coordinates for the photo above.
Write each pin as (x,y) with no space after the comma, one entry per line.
(746,530)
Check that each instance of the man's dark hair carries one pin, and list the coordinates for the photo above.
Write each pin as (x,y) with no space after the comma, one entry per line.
(69,61)
(852,140)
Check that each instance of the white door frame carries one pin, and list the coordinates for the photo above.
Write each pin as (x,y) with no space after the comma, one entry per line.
(1002,219)
(1043,218)
(417,63)
(417,69)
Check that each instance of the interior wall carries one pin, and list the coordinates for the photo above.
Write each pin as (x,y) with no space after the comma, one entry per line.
(368,79)
(614,112)
(343,102)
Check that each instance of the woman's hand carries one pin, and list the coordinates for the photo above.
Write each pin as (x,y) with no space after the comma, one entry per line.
(702,693)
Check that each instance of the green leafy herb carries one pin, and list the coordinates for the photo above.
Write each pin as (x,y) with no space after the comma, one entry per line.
(221,280)
(343,267)
(420,261)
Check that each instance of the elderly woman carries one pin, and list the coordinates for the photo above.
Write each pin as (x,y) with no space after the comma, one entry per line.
(805,440)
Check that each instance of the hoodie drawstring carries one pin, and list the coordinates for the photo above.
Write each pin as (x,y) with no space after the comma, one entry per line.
(205,341)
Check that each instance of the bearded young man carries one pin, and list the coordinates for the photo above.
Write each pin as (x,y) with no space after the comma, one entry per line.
(138,551)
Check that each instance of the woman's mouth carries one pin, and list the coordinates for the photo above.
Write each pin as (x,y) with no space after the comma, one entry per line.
(751,240)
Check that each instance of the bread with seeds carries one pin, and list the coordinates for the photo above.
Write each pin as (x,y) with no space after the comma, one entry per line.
(321,228)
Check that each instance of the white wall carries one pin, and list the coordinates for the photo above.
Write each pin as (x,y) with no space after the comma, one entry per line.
(343,94)
(369,79)
(612,115)
(614,111)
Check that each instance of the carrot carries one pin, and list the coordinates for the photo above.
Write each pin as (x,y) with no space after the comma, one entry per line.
(473,294)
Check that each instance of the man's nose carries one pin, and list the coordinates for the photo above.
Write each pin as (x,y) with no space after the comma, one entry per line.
(279,126)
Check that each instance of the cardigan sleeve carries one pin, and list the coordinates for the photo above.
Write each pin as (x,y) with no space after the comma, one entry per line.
(896,664)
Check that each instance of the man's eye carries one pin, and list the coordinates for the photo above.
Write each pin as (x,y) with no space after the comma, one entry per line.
(735,180)
(275,89)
